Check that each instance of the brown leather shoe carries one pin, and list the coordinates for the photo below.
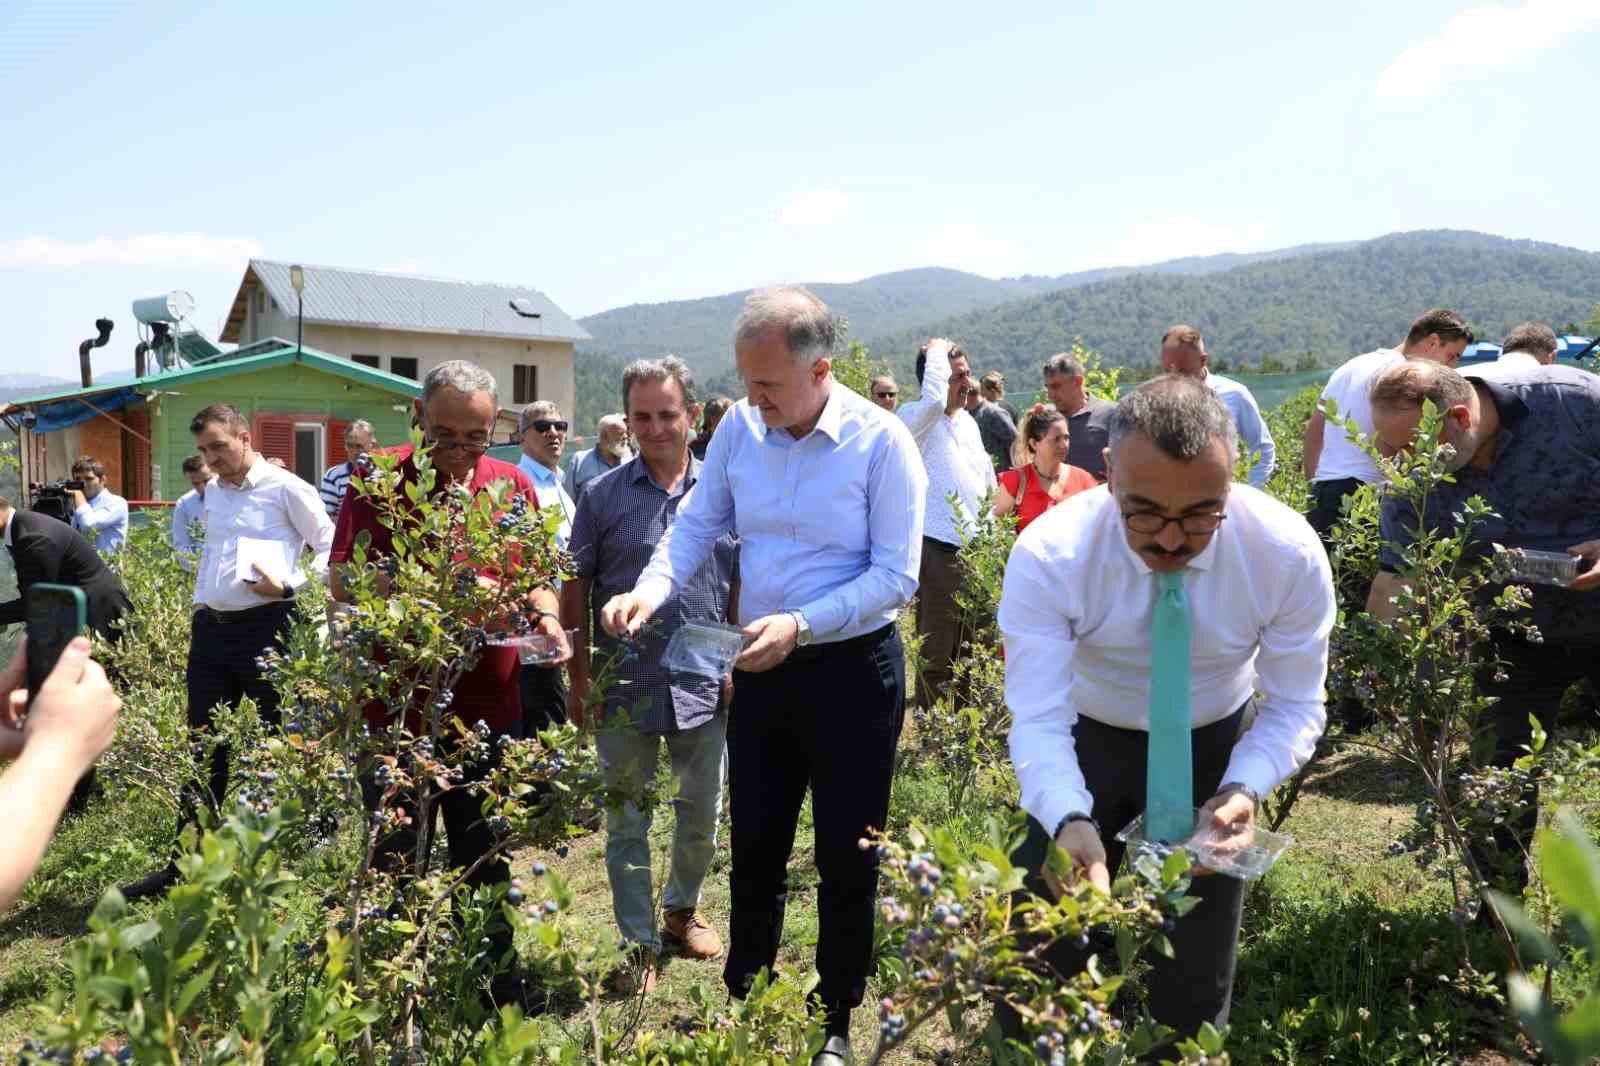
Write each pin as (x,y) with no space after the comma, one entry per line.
(689,928)
(638,973)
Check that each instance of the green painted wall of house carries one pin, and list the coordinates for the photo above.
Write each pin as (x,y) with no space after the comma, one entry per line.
(290,390)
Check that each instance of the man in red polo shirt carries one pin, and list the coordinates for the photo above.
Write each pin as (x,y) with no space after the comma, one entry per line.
(456,411)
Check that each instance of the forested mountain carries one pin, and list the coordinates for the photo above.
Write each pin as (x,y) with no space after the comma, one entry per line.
(1331,303)
(698,330)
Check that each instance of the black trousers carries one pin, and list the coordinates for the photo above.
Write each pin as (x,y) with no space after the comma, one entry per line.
(544,698)
(1537,676)
(222,670)
(1327,497)
(829,719)
(1197,985)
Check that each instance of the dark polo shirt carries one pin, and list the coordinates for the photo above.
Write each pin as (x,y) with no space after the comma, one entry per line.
(1088,434)
(1543,484)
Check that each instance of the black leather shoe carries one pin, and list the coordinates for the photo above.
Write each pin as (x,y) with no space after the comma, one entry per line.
(836,1052)
(152,886)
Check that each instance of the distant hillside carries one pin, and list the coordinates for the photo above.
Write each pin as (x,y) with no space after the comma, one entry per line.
(1331,303)
(14,385)
(698,330)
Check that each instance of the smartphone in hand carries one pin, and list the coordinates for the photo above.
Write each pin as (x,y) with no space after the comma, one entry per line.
(53,614)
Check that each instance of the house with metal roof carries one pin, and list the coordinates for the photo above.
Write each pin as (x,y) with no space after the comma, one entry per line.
(298,401)
(405,325)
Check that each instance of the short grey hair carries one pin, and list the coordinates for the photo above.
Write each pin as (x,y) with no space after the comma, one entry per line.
(610,422)
(537,409)
(1062,365)
(1535,338)
(1179,415)
(667,368)
(360,425)
(463,376)
(807,324)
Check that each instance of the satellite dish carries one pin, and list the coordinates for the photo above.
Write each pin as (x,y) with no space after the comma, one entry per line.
(524,307)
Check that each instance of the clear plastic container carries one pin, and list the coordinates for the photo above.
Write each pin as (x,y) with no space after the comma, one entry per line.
(1243,854)
(535,648)
(705,649)
(1527,566)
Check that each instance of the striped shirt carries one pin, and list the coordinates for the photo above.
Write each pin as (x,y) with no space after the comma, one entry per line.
(334,482)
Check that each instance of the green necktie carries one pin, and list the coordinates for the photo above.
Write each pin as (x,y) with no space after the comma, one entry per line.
(1169,773)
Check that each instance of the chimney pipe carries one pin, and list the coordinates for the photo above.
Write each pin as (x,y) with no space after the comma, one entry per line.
(138,358)
(103,327)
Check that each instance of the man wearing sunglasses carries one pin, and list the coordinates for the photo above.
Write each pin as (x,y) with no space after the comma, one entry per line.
(1139,620)
(543,436)
(885,393)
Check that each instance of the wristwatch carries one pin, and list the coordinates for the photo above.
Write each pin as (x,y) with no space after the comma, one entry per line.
(288,591)
(1241,787)
(1075,816)
(803,633)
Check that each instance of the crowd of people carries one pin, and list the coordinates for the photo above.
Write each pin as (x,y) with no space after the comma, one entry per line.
(1166,630)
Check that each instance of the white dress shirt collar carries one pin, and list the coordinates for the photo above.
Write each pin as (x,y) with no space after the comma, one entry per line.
(828,422)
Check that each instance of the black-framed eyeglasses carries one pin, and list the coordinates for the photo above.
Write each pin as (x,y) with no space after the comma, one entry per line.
(1149,523)
(545,425)
(450,444)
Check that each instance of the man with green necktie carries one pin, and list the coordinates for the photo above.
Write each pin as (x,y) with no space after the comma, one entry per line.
(1141,621)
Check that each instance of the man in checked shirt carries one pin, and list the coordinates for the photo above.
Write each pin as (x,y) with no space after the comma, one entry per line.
(621,516)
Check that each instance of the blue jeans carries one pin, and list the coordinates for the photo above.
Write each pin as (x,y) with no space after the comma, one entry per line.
(699,762)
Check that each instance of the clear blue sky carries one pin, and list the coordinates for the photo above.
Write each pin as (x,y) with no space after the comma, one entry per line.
(613,154)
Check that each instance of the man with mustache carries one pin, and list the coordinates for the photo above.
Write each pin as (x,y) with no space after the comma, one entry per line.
(1139,621)
(1527,440)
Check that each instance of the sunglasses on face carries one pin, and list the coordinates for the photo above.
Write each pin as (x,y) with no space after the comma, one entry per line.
(889,395)
(545,425)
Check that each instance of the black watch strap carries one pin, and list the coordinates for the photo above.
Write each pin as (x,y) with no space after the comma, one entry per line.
(1074,816)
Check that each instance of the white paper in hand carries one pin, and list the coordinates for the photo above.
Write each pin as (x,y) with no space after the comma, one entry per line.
(270,556)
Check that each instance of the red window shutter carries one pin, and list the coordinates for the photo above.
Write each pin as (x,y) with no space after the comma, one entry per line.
(336,431)
(273,436)
(136,463)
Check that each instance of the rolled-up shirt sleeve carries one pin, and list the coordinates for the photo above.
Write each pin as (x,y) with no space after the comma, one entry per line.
(897,490)
(1291,667)
(1038,628)
(705,514)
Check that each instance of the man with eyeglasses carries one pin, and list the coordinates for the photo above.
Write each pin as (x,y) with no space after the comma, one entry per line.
(543,436)
(1124,703)
(885,393)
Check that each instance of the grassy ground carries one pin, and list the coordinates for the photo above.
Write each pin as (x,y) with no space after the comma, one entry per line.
(1348,955)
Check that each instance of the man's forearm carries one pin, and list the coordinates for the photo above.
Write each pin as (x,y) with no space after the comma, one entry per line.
(575,615)
(33,792)
(1311,443)
(1380,600)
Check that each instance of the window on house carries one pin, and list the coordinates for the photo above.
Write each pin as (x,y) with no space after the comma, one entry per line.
(404,366)
(524,383)
(310,451)
(367,360)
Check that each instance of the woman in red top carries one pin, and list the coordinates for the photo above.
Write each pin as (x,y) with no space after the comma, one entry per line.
(1043,479)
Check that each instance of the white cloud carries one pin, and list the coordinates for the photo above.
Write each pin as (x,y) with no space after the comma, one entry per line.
(1483,37)
(1156,240)
(815,207)
(144,249)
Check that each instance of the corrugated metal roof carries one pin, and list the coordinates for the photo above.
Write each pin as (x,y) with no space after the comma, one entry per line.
(261,356)
(337,296)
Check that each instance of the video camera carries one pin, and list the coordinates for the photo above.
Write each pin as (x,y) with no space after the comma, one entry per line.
(54,499)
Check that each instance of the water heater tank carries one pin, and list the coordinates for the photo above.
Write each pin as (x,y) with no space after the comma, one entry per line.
(168,307)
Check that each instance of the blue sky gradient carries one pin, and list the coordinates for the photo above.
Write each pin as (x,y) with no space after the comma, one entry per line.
(612,154)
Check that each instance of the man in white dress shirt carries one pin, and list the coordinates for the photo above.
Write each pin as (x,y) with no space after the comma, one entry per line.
(1526,347)
(825,492)
(188,514)
(1335,465)
(1183,351)
(542,433)
(240,612)
(957,465)
(1076,613)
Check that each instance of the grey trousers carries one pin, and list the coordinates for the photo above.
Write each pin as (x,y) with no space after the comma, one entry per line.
(699,764)
(938,619)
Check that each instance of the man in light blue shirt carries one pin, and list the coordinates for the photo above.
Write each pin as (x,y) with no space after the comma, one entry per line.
(98,513)
(826,493)
(542,432)
(189,515)
(1183,351)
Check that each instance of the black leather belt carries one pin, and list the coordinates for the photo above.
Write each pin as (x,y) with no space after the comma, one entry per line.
(249,614)
(814,652)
